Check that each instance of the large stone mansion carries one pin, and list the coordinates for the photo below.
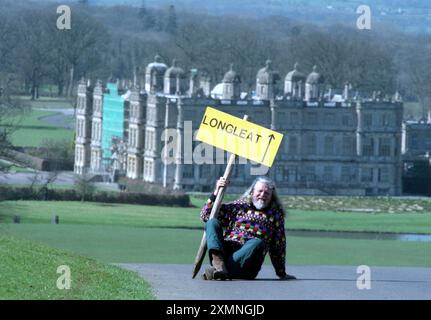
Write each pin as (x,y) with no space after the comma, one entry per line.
(334,141)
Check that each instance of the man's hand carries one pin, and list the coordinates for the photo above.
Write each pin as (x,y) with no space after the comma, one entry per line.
(287,277)
(222,182)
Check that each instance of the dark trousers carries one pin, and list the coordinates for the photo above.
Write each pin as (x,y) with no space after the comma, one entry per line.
(242,261)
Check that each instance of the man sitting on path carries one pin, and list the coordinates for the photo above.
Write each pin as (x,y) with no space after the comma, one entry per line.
(244,232)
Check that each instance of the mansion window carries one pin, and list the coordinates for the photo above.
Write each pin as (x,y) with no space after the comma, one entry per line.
(311,118)
(293,147)
(384,147)
(188,171)
(345,120)
(368,147)
(328,173)
(330,118)
(368,119)
(294,118)
(367,175)
(348,146)
(383,175)
(329,145)
(310,173)
(311,144)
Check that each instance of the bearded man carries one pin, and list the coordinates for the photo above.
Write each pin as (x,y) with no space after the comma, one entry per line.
(245,230)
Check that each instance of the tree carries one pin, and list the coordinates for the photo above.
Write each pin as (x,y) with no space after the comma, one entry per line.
(171,25)
(84,42)
(84,186)
(341,56)
(415,76)
(147,17)
(10,108)
(34,52)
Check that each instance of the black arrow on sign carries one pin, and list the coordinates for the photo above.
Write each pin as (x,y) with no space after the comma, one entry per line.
(271,137)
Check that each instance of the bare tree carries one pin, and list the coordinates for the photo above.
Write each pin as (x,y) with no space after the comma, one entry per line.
(34,54)
(84,41)
(84,186)
(415,76)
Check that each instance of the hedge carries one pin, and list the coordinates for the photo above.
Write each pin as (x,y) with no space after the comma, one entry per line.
(26,193)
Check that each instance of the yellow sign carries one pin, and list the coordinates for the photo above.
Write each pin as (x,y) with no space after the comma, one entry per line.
(238,136)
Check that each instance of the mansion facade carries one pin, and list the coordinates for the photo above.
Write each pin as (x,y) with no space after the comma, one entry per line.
(334,144)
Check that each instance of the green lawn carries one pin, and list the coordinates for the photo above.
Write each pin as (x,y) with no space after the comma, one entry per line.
(115,233)
(109,243)
(32,132)
(13,168)
(47,102)
(157,216)
(29,271)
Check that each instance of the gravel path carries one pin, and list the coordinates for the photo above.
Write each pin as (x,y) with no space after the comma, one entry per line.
(174,282)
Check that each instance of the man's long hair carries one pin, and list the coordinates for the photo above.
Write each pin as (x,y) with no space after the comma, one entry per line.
(275,200)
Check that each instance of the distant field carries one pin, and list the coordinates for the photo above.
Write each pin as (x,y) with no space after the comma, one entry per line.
(114,244)
(154,234)
(31,131)
(12,168)
(47,102)
(374,205)
(29,271)
(168,217)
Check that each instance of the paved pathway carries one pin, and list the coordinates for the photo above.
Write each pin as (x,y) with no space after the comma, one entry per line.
(314,282)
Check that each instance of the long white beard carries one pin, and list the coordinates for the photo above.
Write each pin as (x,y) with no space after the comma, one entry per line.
(259,204)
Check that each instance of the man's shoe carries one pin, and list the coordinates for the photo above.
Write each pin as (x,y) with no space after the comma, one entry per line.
(209,273)
(220,272)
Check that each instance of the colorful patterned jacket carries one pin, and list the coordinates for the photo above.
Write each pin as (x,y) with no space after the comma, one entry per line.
(242,221)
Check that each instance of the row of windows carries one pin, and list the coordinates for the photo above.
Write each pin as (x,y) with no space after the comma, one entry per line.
(95,159)
(347,174)
(80,128)
(150,140)
(316,118)
(96,131)
(97,105)
(79,155)
(384,147)
(132,165)
(205,171)
(311,142)
(290,173)
(81,102)
(148,168)
(134,111)
(382,119)
(328,118)
(133,137)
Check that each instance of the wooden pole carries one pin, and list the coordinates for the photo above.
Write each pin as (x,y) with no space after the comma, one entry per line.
(214,214)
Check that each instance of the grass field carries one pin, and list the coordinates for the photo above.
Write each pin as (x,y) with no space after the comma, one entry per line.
(156,216)
(12,168)
(47,102)
(151,234)
(29,271)
(110,243)
(31,131)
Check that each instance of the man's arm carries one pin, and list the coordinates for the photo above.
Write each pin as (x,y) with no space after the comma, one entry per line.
(226,209)
(277,250)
